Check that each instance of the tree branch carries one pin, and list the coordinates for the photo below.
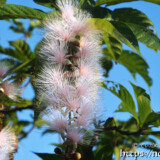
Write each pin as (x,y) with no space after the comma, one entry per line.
(140,131)
(15,109)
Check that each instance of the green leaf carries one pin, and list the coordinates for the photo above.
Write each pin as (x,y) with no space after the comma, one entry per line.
(139,91)
(106,64)
(81,3)
(127,33)
(46,156)
(144,109)
(107,27)
(113,2)
(46,3)
(145,36)
(153,119)
(136,65)
(117,152)
(21,52)
(140,25)
(130,15)
(144,106)
(3,1)
(16,11)
(19,102)
(127,104)
(114,47)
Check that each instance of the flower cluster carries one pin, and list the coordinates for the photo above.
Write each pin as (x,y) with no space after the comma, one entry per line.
(69,79)
(6,87)
(8,143)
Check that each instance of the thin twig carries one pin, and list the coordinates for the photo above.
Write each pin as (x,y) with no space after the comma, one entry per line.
(27,133)
(16,109)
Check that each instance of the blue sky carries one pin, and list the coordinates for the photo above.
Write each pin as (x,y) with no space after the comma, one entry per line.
(35,142)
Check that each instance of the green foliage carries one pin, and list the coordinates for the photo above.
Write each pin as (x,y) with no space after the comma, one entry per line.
(113,2)
(127,104)
(46,156)
(19,102)
(140,25)
(16,11)
(2,1)
(108,28)
(21,50)
(135,64)
(46,3)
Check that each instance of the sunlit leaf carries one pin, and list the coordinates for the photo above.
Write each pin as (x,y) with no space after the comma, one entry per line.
(108,28)
(136,65)
(127,104)
(16,11)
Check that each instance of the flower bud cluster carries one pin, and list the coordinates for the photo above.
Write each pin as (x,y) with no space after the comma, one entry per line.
(68,82)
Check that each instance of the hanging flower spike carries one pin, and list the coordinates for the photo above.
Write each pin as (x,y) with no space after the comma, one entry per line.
(70,76)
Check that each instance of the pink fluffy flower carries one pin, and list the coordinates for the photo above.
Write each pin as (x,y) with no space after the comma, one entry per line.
(54,52)
(88,49)
(50,79)
(75,135)
(87,88)
(88,69)
(72,103)
(3,69)
(79,24)
(8,141)
(4,156)
(9,89)
(55,120)
(59,30)
(86,114)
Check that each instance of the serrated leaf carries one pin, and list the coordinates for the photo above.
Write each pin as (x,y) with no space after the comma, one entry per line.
(144,105)
(140,25)
(130,15)
(107,27)
(153,119)
(16,11)
(145,36)
(127,104)
(113,2)
(136,65)
(144,109)
(46,3)
(46,156)
(21,50)
(106,64)
(114,47)
(127,33)
(139,91)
